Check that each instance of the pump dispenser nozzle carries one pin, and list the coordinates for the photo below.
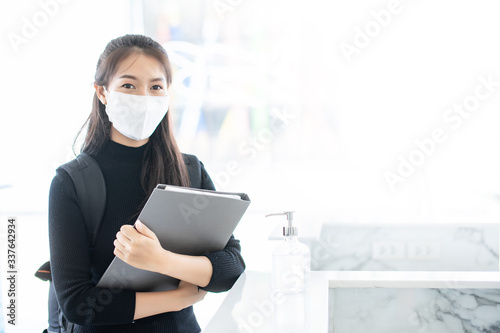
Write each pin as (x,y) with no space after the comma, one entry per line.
(290,230)
(290,256)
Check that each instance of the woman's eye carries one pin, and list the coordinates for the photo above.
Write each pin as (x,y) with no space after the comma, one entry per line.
(157,87)
(128,86)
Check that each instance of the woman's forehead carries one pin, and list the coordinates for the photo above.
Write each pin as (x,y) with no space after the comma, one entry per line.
(140,66)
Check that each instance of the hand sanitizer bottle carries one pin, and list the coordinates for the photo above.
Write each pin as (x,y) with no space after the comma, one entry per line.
(291,260)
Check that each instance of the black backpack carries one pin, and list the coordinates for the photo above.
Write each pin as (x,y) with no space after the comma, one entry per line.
(90,189)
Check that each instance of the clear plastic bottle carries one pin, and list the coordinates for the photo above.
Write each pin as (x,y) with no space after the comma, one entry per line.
(291,261)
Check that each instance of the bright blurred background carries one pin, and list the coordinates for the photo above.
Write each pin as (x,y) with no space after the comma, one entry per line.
(341,110)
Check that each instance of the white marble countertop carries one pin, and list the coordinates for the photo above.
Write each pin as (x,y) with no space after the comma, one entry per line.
(252,306)
(406,279)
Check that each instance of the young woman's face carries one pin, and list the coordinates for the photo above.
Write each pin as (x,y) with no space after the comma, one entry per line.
(139,74)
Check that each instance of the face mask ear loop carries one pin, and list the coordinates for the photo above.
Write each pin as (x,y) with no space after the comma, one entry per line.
(107,92)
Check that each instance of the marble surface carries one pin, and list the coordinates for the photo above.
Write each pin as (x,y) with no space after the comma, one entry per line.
(414,302)
(356,310)
(399,302)
(424,247)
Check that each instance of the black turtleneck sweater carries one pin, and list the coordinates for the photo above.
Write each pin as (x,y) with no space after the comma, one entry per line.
(76,268)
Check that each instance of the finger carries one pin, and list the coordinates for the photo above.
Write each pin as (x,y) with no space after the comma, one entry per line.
(119,254)
(122,238)
(119,246)
(128,231)
(141,227)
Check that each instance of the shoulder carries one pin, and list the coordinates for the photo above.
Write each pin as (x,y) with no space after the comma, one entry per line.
(198,175)
(81,172)
(190,159)
(62,186)
(62,175)
(82,162)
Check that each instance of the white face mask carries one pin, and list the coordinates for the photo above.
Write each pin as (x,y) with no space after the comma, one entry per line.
(136,116)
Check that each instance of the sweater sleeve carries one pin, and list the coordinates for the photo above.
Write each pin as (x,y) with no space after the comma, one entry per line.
(227,264)
(80,300)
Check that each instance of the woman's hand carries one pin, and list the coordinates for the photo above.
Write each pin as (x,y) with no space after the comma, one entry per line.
(152,303)
(139,247)
(190,293)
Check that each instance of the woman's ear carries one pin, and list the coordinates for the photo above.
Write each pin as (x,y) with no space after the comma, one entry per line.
(99,90)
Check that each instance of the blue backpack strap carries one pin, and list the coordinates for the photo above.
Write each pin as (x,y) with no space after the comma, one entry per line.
(90,188)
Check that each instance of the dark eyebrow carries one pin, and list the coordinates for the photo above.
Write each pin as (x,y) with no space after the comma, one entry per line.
(127,76)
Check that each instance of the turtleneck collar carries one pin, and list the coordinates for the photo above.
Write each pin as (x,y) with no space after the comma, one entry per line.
(117,152)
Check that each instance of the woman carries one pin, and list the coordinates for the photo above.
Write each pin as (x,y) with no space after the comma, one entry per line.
(130,136)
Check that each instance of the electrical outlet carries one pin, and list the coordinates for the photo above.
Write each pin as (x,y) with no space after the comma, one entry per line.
(388,250)
(424,251)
